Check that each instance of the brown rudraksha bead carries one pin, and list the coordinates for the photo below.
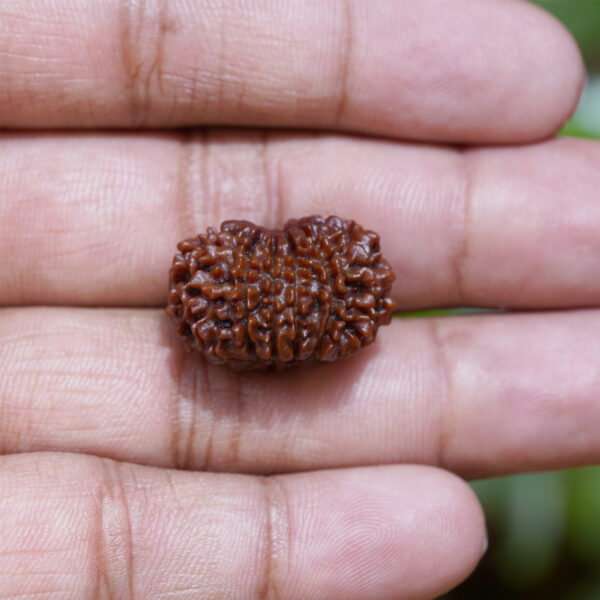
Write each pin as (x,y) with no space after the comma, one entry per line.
(252,298)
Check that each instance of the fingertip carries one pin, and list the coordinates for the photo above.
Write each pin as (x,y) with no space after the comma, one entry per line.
(560,76)
(387,532)
(511,73)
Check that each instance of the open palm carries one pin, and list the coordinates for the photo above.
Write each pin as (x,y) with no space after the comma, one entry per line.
(133,470)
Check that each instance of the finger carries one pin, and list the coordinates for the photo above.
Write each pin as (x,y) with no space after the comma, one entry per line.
(384,533)
(478,395)
(392,68)
(95,220)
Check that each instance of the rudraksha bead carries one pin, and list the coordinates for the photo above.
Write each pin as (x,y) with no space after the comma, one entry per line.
(253,298)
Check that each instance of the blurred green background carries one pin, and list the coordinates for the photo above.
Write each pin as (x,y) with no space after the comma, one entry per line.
(545,527)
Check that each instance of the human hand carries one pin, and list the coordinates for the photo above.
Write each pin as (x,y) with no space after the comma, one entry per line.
(88,227)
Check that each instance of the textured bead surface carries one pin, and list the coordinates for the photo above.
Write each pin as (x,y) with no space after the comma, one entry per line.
(252,298)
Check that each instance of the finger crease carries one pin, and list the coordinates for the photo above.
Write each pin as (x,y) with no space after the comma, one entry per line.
(461,256)
(276,519)
(113,544)
(131,15)
(165,26)
(347,28)
(241,399)
(199,174)
(271,182)
(136,26)
(208,444)
(185,185)
(183,415)
(443,366)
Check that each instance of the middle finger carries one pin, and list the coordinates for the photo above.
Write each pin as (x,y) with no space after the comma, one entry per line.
(94,220)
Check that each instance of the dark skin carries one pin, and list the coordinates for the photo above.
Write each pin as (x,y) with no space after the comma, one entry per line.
(156,475)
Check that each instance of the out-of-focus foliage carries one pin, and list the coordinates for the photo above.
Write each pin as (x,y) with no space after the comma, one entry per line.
(545,527)
(544,538)
(582,18)
(586,121)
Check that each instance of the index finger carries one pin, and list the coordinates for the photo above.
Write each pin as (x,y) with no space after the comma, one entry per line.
(424,69)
